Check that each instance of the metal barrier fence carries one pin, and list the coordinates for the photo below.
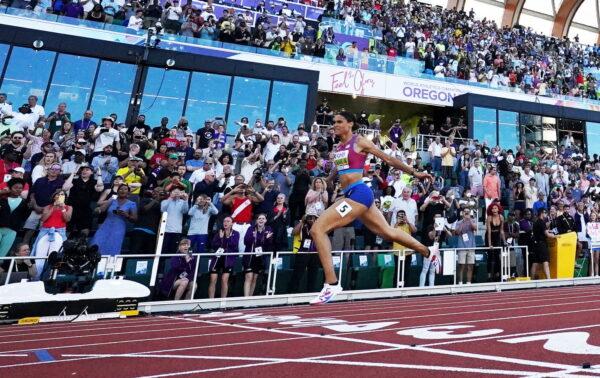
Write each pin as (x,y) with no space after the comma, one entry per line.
(111,267)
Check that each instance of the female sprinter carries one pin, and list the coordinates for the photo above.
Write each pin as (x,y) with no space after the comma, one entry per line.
(349,159)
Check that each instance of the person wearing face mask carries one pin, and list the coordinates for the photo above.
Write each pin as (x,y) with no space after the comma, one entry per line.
(258,240)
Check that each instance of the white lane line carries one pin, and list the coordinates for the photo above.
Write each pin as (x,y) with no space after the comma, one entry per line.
(404,308)
(251,331)
(313,360)
(402,346)
(13,355)
(428,300)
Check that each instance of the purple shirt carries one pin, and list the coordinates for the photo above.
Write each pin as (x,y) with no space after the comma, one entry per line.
(74,10)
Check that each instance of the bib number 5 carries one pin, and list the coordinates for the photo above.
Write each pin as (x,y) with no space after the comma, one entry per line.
(343,208)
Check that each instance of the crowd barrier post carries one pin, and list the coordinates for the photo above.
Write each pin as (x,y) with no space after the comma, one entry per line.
(10,268)
(159,245)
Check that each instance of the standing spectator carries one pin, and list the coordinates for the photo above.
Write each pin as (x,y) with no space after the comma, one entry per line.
(304,259)
(476,178)
(82,190)
(593,230)
(531,193)
(435,154)
(494,231)
(465,230)
(180,277)
(258,239)
(13,212)
(56,118)
(84,123)
(300,189)
(106,164)
(448,154)
(278,220)
(241,200)
(111,233)
(41,196)
(225,243)
(176,207)
(317,198)
(106,135)
(200,215)
(491,186)
(540,254)
(405,224)
(145,229)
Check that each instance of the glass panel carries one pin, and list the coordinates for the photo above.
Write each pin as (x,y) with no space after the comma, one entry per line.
(113,89)
(164,94)
(27,74)
(3,53)
(207,98)
(484,125)
(288,100)
(592,130)
(249,99)
(72,83)
(508,129)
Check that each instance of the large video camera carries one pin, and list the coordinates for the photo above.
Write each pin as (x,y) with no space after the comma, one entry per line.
(72,268)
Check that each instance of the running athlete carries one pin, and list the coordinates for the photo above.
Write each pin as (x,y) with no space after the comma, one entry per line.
(349,159)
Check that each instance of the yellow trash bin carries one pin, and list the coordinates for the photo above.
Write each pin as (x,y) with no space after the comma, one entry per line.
(562,255)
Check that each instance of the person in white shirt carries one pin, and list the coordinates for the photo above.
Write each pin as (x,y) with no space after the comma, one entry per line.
(407,204)
(271,148)
(526,174)
(250,164)
(106,135)
(531,193)
(35,108)
(435,154)
(24,119)
(136,21)
(476,178)
(5,107)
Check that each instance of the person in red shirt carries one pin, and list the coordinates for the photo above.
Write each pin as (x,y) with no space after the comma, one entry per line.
(17,172)
(242,200)
(171,141)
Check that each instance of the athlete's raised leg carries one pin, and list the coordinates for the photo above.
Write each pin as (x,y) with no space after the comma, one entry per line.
(337,215)
(375,221)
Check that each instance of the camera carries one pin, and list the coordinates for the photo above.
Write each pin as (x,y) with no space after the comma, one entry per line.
(75,258)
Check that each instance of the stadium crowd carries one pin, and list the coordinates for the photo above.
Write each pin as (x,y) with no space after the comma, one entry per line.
(451,44)
(65,176)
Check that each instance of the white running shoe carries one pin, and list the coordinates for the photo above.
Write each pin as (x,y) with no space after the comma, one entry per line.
(326,294)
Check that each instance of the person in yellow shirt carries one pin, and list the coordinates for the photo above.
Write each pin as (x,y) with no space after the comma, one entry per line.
(402,223)
(287,46)
(133,175)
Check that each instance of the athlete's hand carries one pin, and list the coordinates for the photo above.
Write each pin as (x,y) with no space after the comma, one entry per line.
(423,175)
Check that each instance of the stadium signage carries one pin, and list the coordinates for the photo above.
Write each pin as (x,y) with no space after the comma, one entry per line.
(356,81)
(430,94)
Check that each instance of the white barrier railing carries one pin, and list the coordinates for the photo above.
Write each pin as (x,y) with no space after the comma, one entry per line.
(110,266)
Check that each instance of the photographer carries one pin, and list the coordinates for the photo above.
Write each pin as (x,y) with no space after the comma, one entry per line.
(305,260)
(107,164)
(54,219)
(200,215)
(242,200)
(436,233)
(433,204)
(145,230)
(106,135)
(180,277)
(176,206)
(133,175)
(465,230)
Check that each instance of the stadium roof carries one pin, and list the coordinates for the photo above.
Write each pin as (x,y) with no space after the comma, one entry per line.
(551,17)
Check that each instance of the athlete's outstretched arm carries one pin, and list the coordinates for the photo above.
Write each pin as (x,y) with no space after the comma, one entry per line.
(368,147)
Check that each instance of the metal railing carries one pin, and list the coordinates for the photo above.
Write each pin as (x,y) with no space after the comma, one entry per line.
(424,140)
(113,267)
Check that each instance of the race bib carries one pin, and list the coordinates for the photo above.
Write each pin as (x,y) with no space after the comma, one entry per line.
(340,159)
(219,251)
(318,205)
(59,123)
(465,237)
(343,208)
(258,251)
(307,243)
(509,241)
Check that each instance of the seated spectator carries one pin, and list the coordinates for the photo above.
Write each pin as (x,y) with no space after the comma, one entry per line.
(179,280)
(21,265)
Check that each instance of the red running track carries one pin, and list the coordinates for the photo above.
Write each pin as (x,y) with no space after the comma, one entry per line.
(542,333)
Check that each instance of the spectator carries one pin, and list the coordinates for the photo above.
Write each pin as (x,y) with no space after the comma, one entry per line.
(21,265)
(84,123)
(258,240)
(200,215)
(176,207)
(56,118)
(494,231)
(180,277)
(491,186)
(540,255)
(82,191)
(120,211)
(106,164)
(465,230)
(13,212)
(145,229)
(226,244)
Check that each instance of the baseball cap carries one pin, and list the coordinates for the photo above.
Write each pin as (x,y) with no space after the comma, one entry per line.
(17,169)
(81,141)
(173,156)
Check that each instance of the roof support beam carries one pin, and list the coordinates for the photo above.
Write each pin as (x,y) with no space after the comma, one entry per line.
(512,12)
(564,17)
